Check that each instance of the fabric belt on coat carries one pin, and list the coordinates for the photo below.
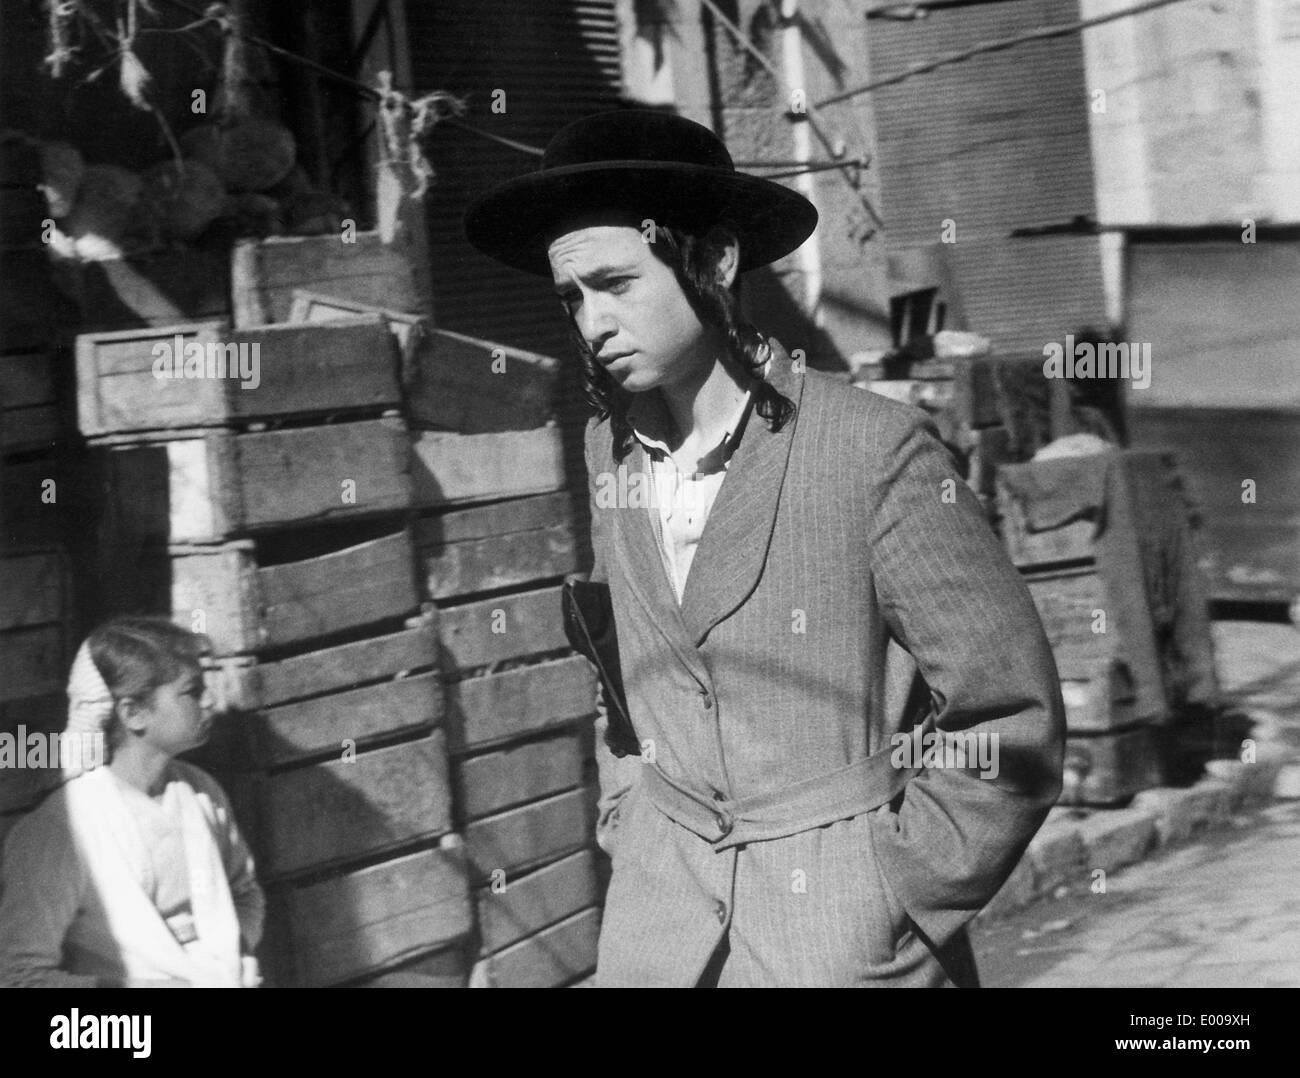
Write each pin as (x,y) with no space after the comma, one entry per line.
(837,795)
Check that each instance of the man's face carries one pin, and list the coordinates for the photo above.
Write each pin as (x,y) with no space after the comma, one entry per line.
(629,308)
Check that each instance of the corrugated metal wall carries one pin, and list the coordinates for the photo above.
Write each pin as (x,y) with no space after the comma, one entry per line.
(996,143)
(556,62)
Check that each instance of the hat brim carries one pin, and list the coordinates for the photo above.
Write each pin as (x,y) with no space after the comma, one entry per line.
(514,221)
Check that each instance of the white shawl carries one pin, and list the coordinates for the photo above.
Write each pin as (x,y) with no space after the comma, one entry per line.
(110,847)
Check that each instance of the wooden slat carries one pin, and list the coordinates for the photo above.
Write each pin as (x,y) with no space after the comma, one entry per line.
(552,957)
(507,627)
(255,685)
(533,834)
(1066,602)
(32,501)
(33,662)
(274,371)
(517,556)
(26,380)
(363,921)
(365,583)
(33,589)
(246,609)
(510,776)
(522,906)
(333,812)
(450,468)
(291,476)
(483,711)
(331,724)
(26,429)
(266,273)
(475,386)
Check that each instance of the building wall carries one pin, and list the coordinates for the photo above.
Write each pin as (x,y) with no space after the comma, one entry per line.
(1193,113)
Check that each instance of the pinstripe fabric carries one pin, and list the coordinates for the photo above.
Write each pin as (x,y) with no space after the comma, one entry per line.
(837,560)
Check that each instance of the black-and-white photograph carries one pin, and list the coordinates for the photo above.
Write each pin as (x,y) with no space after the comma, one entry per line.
(650,493)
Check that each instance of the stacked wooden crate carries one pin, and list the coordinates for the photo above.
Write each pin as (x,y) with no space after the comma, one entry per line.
(495,534)
(37,617)
(989,409)
(1118,589)
(270,511)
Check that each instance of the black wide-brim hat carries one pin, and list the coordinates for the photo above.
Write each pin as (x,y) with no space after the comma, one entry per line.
(642,166)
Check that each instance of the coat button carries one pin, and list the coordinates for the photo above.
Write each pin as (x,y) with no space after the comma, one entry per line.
(725,823)
(720,911)
(707,699)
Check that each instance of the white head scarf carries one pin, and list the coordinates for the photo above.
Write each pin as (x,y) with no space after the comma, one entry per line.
(90,706)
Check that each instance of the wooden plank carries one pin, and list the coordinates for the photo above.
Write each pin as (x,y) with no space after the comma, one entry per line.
(329,813)
(255,685)
(533,834)
(31,512)
(552,957)
(218,485)
(1074,541)
(520,907)
(214,590)
(507,627)
(497,519)
(506,777)
(33,589)
(363,921)
(1111,767)
(474,386)
(447,968)
(322,473)
(266,273)
(25,429)
(450,468)
(312,307)
(33,661)
(328,725)
(270,371)
(366,583)
(1068,603)
(26,380)
(116,389)
(502,561)
(483,711)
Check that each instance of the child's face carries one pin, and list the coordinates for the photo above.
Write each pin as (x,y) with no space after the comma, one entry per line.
(178,716)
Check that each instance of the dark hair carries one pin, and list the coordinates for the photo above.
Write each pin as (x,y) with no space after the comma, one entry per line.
(135,655)
(694,262)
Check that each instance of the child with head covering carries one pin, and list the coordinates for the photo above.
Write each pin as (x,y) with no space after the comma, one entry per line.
(135,873)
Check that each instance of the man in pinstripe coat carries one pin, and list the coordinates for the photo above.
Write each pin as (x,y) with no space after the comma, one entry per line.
(799,581)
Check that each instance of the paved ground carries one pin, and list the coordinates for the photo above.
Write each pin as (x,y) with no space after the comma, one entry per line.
(1221,911)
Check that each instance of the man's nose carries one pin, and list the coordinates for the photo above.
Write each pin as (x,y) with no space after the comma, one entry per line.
(596,322)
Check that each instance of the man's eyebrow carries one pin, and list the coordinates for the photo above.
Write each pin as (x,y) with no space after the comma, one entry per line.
(596,274)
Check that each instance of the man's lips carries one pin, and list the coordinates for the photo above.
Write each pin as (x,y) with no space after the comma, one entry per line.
(609,361)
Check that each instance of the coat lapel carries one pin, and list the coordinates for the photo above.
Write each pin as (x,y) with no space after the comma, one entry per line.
(733,548)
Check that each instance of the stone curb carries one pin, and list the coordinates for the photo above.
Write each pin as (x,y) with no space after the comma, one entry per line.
(1072,845)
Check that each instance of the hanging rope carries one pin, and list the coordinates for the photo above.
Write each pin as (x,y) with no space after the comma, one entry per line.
(810,116)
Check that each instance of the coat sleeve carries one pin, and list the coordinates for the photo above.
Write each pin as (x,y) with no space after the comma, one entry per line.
(43,888)
(617,775)
(950,595)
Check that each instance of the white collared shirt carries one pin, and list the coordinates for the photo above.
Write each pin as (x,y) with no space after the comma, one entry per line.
(682,500)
